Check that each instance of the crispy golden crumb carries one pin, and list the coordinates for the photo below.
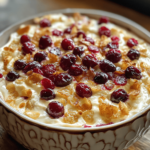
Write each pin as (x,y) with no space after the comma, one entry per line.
(23,30)
(32,114)
(85,104)
(88,116)
(124,109)
(71,117)
(34,78)
(22,105)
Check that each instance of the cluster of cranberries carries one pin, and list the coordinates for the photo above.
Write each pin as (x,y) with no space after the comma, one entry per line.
(107,66)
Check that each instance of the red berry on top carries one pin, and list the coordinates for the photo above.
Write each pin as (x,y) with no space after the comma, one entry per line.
(47,83)
(57,33)
(133,72)
(48,69)
(31,66)
(45,41)
(63,79)
(133,54)
(90,60)
(119,95)
(81,33)
(45,23)
(12,76)
(103,19)
(120,80)
(55,109)
(83,90)
(75,70)
(67,61)
(115,38)
(38,70)
(24,38)
(113,45)
(19,64)
(101,78)
(93,49)
(67,44)
(78,50)
(47,94)
(113,55)
(89,39)
(132,42)
(1,75)
(107,66)
(55,50)
(28,48)
(40,56)
(104,31)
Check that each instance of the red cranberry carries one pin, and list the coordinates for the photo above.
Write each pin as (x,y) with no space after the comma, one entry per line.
(67,44)
(45,41)
(63,79)
(45,23)
(47,94)
(113,55)
(111,75)
(47,83)
(37,70)
(1,75)
(75,70)
(103,19)
(28,47)
(115,38)
(67,61)
(31,66)
(132,42)
(51,77)
(19,64)
(113,45)
(109,85)
(119,95)
(104,31)
(89,39)
(133,72)
(24,38)
(133,54)
(55,109)
(90,60)
(40,56)
(120,80)
(78,50)
(101,78)
(69,29)
(107,66)
(55,50)
(12,76)
(83,90)
(93,49)
(81,33)
(57,33)
(48,69)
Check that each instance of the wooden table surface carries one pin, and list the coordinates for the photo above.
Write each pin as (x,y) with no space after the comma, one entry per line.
(11,15)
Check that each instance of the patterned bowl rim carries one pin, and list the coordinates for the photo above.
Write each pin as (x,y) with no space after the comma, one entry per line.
(120,20)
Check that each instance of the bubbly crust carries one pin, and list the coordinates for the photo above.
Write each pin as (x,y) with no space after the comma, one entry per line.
(93,111)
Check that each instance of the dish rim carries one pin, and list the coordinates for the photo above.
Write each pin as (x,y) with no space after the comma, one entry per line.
(86,12)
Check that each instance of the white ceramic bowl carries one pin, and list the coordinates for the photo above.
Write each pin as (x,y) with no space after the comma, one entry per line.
(35,135)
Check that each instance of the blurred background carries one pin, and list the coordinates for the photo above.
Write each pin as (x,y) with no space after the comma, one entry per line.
(12,11)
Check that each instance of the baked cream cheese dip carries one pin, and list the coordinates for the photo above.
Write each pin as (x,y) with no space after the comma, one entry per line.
(75,71)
